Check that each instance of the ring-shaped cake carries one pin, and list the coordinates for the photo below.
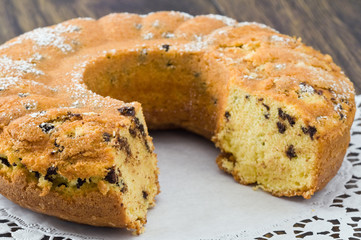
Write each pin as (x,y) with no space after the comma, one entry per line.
(279,111)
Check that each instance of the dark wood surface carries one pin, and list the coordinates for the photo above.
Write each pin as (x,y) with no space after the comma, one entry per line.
(331,26)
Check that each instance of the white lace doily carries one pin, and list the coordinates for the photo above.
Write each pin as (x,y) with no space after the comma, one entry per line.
(198,201)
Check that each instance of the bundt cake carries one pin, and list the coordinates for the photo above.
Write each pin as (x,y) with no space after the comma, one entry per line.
(279,111)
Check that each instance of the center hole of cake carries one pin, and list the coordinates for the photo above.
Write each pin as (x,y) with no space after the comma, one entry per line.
(175,90)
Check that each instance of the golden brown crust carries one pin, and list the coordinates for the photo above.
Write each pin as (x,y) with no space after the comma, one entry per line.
(50,117)
(91,207)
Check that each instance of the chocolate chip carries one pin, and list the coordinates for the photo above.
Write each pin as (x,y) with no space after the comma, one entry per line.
(76,116)
(290,152)
(37,174)
(22,95)
(132,132)
(124,188)
(111,176)
(51,171)
(166,47)
(229,156)
(281,114)
(127,111)
(147,145)
(169,64)
(266,106)
(197,74)
(145,194)
(56,144)
(14,164)
(281,127)
(80,182)
(60,148)
(30,106)
(227,115)
(319,92)
(291,120)
(260,99)
(247,97)
(106,137)
(122,144)
(139,126)
(62,184)
(266,115)
(304,130)
(310,131)
(46,127)
(341,116)
(70,116)
(285,116)
(5,161)
(138,26)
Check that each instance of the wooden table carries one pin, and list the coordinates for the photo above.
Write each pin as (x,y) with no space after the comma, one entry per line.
(331,26)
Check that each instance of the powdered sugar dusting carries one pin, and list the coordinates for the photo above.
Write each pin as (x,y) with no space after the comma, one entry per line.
(261,25)
(89,113)
(78,90)
(320,118)
(86,18)
(30,104)
(48,36)
(193,46)
(17,68)
(341,88)
(138,26)
(22,95)
(172,13)
(168,35)
(223,32)
(251,76)
(197,37)
(76,104)
(148,36)
(44,37)
(38,114)
(276,38)
(8,82)
(280,66)
(226,20)
(36,57)
(182,14)
(156,23)
(305,88)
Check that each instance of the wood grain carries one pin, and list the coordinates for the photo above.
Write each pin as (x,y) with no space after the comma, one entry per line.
(332,27)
